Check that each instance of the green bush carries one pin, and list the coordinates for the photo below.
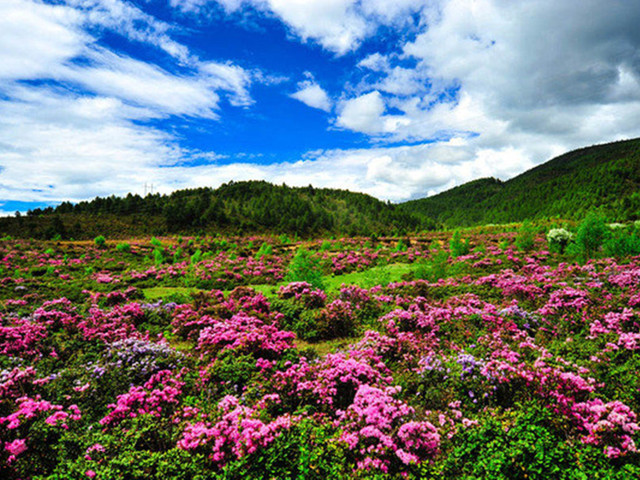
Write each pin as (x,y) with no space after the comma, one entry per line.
(591,235)
(265,249)
(528,449)
(526,237)
(158,256)
(123,247)
(457,246)
(305,268)
(307,450)
(196,257)
(100,241)
(399,247)
(622,243)
(434,268)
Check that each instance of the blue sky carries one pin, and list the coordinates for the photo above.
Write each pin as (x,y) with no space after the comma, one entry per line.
(396,99)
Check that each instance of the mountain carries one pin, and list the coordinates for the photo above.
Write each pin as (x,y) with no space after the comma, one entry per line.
(603,178)
(233,208)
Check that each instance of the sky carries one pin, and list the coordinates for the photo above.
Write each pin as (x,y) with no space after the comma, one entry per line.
(398,99)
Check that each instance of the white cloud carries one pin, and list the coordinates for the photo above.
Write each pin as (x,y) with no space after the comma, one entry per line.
(55,144)
(339,26)
(485,88)
(366,114)
(34,38)
(540,78)
(143,84)
(57,147)
(131,22)
(312,95)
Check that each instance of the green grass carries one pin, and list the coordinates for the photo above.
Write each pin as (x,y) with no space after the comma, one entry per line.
(381,275)
(154,293)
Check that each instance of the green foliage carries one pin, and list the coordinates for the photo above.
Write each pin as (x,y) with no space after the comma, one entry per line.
(308,450)
(602,178)
(591,234)
(100,241)
(265,249)
(457,246)
(123,247)
(434,268)
(158,256)
(525,239)
(622,243)
(399,247)
(155,242)
(305,268)
(529,449)
(196,257)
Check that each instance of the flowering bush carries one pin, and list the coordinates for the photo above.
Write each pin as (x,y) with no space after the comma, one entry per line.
(499,364)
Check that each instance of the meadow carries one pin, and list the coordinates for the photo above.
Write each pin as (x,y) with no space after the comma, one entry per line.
(499,352)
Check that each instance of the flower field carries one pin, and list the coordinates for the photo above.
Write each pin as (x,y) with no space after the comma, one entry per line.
(490,354)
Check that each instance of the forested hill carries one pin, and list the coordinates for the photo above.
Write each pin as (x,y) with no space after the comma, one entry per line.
(235,207)
(603,178)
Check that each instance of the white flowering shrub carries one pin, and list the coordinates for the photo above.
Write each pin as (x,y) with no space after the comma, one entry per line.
(558,239)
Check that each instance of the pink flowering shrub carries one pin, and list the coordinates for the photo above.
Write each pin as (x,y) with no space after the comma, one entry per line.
(380,432)
(21,337)
(304,293)
(332,382)
(159,396)
(244,334)
(609,425)
(238,432)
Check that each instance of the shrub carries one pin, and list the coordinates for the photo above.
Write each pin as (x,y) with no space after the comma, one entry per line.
(525,239)
(158,256)
(265,249)
(100,241)
(622,244)
(433,269)
(558,239)
(591,234)
(305,268)
(457,246)
(196,257)
(123,247)
(400,247)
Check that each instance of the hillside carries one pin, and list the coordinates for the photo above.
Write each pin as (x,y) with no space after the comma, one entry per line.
(605,178)
(235,207)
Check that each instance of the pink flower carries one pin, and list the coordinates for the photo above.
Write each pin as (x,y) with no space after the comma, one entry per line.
(16,447)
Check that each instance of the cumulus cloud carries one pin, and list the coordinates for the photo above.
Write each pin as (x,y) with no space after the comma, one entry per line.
(366,114)
(35,38)
(538,78)
(312,95)
(339,26)
(77,145)
(474,88)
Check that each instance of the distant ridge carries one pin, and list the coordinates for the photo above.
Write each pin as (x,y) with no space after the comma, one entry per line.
(604,178)
(249,207)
